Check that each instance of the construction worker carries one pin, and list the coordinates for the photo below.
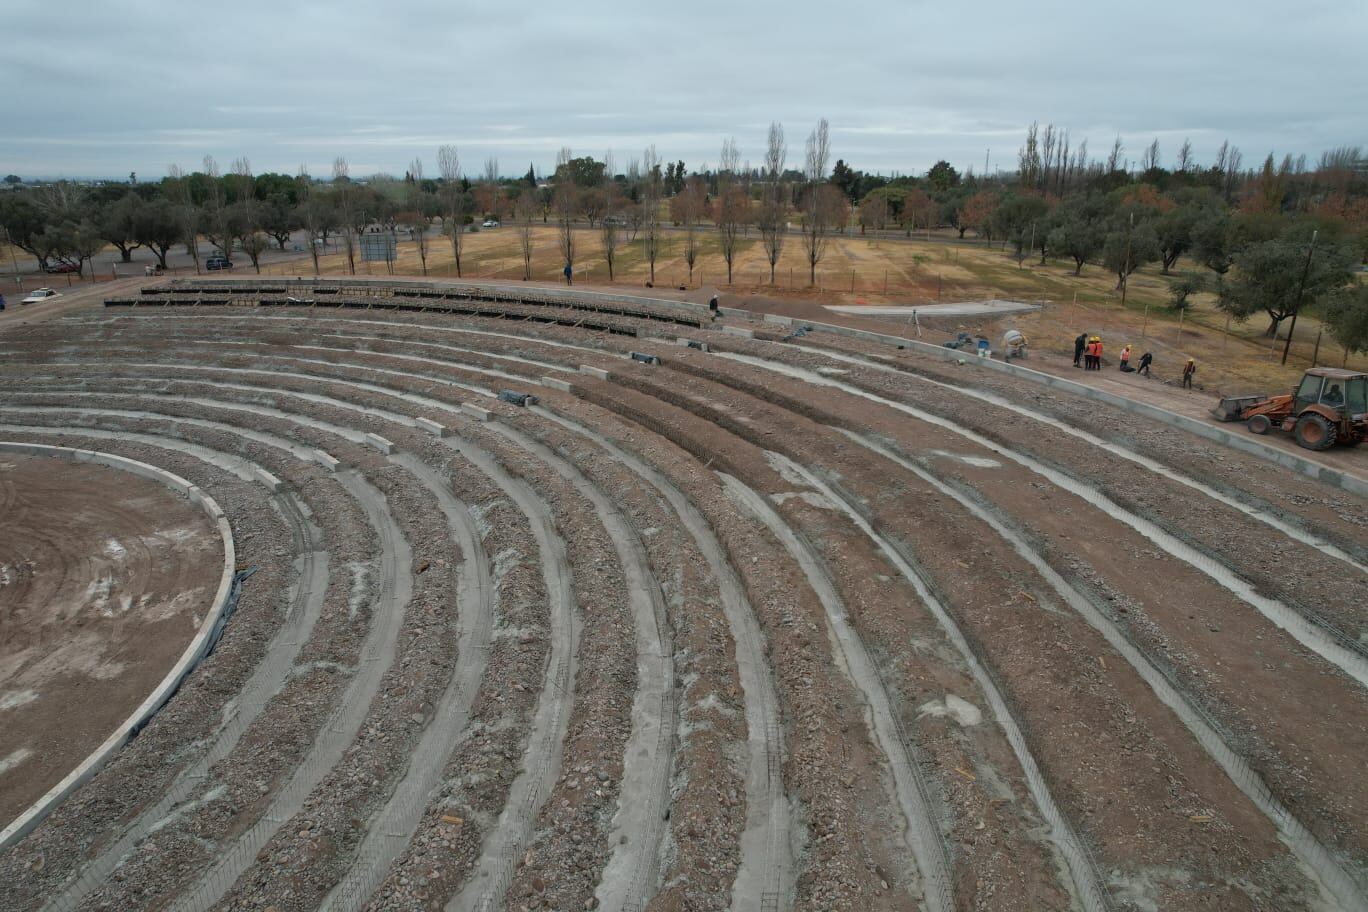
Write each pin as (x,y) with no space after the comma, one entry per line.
(1144,367)
(1125,360)
(1079,344)
(1094,357)
(1188,370)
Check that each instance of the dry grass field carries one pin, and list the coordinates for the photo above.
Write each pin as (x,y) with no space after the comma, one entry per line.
(921,269)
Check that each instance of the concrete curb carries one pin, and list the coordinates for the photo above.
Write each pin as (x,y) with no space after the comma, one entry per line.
(432,427)
(596,372)
(380,443)
(552,382)
(22,825)
(1301,464)
(474,411)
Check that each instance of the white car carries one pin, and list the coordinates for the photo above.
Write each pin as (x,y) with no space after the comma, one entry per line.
(39,296)
(490,223)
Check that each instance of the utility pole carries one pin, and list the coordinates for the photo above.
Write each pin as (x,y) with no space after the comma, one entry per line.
(9,242)
(1301,289)
(1125,266)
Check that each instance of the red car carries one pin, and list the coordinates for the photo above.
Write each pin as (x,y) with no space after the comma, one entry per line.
(56,268)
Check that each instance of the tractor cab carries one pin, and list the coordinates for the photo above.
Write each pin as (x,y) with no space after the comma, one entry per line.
(1338,391)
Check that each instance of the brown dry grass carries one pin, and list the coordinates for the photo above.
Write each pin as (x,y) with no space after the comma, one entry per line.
(857,270)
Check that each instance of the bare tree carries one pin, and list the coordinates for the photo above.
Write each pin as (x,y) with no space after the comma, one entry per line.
(874,212)
(1150,159)
(772,204)
(418,221)
(253,242)
(313,214)
(650,207)
(345,197)
(565,200)
(817,208)
(179,191)
(216,227)
(1114,159)
(487,193)
(453,214)
(525,210)
(611,205)
(731,205)
(1184,163)
(687,209)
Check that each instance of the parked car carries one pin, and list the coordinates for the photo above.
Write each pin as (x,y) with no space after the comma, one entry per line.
(218,262)
(490,223)
(59,268)
(40,295)
(2,302)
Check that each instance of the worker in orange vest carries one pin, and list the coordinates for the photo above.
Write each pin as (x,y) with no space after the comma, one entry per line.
(1125,360)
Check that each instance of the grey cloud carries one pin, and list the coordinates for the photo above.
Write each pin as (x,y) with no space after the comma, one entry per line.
(136,86)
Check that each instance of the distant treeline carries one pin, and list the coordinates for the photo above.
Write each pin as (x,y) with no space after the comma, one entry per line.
(1268,240)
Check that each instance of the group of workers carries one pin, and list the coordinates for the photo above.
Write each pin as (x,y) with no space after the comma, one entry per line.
(1088,355)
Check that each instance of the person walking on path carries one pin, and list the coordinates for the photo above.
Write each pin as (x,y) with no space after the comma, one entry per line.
(569,277)
(1144,367)
(1125,360)
(1079,344)
(1188,370)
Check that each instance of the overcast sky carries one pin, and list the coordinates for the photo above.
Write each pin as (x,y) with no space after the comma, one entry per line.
(100,88)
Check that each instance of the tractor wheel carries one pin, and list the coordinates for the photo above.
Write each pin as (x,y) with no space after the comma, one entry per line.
(1259,424)
(1314,433)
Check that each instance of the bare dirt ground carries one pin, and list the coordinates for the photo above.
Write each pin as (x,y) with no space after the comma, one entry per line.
(104,578)
(800,624)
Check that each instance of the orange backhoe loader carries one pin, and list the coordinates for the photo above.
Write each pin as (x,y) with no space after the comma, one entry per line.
(1328,407)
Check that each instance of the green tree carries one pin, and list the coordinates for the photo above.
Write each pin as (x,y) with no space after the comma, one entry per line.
(118,224)
(25,222)
(585,172)
(1076,234)
(1125,248)
(1181,291)
(159,226)
(1347,318)
(13,179)
(847,179)
(1213,243)
(278,217)
(1268,278)
(942,176)
(1174,229)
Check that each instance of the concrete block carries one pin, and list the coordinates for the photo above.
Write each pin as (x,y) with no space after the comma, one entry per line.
(474,411)
(380,443)
(738,331)
(432,427)
(597,373)
(327,461)
(776,318)
(272,483)
(562,385)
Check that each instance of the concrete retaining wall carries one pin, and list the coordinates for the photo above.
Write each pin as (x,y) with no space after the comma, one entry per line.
(1236,441)
(25,822)
(1293,461)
